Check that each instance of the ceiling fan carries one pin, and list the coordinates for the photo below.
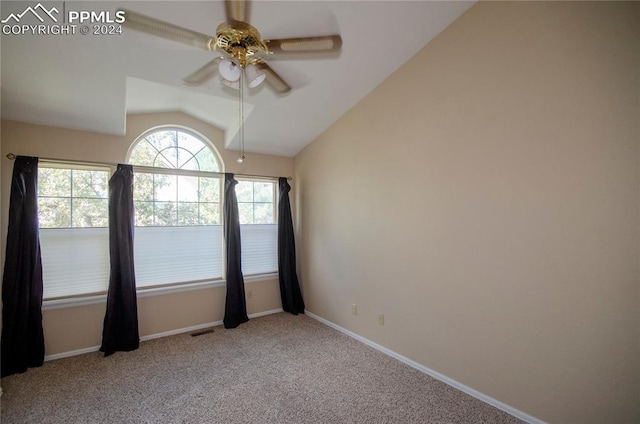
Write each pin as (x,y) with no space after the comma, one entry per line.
(240,47)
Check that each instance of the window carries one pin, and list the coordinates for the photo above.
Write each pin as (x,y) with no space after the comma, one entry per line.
(177,197)
(178,236)
(73,216)
(258,226)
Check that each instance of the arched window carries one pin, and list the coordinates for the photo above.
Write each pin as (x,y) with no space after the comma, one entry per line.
(174,148)
(177,199)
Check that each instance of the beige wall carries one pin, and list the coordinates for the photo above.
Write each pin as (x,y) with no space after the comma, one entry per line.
(485,199)
(81,327)
(75,328)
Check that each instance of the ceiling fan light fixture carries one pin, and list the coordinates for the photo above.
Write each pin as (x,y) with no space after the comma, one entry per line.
(254,75)
(229,70)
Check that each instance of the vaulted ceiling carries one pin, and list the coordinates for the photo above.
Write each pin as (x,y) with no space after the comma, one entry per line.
(91,82)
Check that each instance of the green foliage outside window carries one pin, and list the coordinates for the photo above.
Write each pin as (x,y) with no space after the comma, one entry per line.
(175,200)
(72,198)
(255,202)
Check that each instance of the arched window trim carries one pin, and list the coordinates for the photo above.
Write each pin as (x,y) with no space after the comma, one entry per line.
(190,131)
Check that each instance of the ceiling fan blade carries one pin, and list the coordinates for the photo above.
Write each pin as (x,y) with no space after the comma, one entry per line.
(273,79)
(169,31)
(203,74)
(237,10)
(328,43)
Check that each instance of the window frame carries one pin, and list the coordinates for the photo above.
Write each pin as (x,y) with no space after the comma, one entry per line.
(273,224)
(75,166)
(188,173)
(218,175)
(151,291)
(274,194)
(181,128)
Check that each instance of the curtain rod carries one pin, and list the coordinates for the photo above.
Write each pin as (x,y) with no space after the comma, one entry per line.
(12,156)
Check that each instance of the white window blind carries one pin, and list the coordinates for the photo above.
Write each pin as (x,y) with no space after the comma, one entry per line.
(259,248)
(74,261)
(73,215)
(168,255)
(178,236)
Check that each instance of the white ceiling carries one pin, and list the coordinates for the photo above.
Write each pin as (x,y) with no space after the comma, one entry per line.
(91,82)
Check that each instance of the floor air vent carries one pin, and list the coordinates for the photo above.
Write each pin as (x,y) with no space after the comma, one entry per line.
(200,333)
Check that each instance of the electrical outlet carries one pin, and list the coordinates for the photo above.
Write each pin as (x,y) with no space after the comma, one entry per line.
(354,309)
(381,319)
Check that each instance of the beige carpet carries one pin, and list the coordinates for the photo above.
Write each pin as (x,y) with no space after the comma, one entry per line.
(274,369)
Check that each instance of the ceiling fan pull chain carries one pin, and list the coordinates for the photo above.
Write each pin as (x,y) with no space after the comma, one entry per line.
(241,156)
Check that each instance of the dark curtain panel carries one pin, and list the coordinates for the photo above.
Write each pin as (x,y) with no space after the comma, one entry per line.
(235,309)
(22,335)
(120,331)
(289,286)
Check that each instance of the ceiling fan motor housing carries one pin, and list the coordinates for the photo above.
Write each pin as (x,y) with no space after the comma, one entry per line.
(240,41)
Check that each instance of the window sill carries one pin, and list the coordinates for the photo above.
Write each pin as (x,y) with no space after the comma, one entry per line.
(156,291)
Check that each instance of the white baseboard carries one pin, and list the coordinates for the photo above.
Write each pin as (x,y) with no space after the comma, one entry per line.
(261,314)
(156,336)
(451,382)
(71,353)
